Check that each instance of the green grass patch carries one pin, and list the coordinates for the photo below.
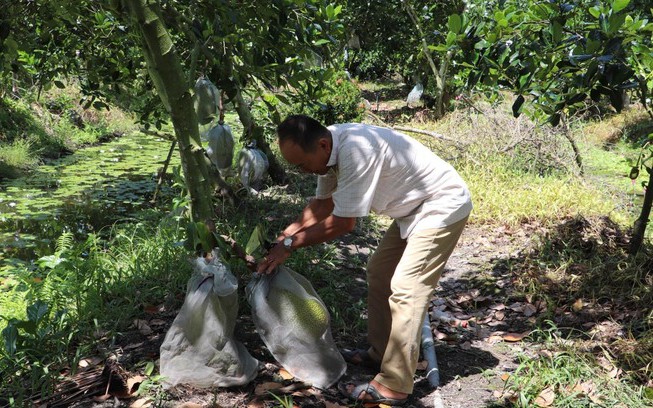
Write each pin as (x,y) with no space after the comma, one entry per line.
(504,196)
(19,154)
(556,375)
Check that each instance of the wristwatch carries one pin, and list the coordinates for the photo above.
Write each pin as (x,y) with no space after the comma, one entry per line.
(287,242)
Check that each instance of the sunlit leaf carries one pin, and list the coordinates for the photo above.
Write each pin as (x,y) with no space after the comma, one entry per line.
(619,5)
(455,23)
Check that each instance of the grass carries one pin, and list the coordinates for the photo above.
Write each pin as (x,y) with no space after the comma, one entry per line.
(554,373)
(33,130)
(18,154)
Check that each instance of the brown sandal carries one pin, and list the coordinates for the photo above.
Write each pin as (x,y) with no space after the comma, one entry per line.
(360,358)
(373,397)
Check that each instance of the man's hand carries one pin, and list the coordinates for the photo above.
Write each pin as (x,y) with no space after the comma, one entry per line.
(275,257)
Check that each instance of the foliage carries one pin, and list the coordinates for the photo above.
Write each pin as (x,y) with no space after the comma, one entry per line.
(31,346)
(554,54)
(106,280)
(338,100)
(34,130)
(99,285)
(389,42)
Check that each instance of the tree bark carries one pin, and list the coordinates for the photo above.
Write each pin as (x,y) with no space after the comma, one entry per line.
(640,224)
(439,74)
(251,131)
(171,84)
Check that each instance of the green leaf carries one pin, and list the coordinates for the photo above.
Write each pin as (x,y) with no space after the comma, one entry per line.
(615,22)
(556,31)
(634,173)
(256,243)
(481,45)
(619,5)
(455,23)
(595,11)
(36,311)
(516,106)
(149,368)
(59,84)
(648,393)
(10,334)
(451,38)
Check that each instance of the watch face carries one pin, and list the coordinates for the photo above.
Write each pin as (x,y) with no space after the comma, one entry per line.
(287,242)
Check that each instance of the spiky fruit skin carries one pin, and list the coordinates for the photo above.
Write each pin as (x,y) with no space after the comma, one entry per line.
(306,314)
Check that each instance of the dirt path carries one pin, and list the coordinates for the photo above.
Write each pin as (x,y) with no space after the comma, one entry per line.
(474,312)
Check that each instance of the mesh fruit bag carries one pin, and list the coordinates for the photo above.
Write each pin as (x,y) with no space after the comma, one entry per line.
(294,324)
(199,348)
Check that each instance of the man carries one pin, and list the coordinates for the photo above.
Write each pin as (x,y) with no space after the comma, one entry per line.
(363,168)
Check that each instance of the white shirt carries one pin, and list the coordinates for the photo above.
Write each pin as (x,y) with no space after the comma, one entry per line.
(379,170)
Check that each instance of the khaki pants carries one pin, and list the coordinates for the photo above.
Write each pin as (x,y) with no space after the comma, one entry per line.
(402,276)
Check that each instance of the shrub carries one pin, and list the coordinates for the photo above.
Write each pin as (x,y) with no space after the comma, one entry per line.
(341,102)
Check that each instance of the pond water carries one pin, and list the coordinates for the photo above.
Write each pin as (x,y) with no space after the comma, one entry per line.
(81,193)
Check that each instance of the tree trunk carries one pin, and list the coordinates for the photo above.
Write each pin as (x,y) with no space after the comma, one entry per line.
(251,131)
(640,224)
(171,83)
(567,133)
(439,74)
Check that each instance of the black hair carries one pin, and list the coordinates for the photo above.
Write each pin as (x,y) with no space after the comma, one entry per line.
(302,130)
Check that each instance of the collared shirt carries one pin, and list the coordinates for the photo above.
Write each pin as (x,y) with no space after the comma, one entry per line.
(374,169)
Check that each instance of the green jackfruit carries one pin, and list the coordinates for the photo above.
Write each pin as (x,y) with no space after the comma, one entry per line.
(296,311)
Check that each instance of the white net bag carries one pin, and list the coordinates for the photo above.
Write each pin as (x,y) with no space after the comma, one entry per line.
(199,348)
(294,324)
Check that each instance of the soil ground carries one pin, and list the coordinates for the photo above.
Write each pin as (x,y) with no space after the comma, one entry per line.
(470,329)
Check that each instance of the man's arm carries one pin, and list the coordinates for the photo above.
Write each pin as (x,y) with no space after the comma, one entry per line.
(315,225)
(315,211)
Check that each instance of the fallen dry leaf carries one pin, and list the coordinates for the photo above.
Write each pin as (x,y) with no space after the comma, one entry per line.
(516,307)
(142,327)
(152,309)
(89,361)
(615,372)
(263,388)
(144,403)
(101,398)
(499,315)
(596,398)
(546,397)
(285,374)
(577,306)
(512,337)
(494,339)
(439,335)
(134,382)
(157,322)
(529,310)
(256,403)
(504,377)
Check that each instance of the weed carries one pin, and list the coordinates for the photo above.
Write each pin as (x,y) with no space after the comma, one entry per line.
(285,401)
(18,154)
